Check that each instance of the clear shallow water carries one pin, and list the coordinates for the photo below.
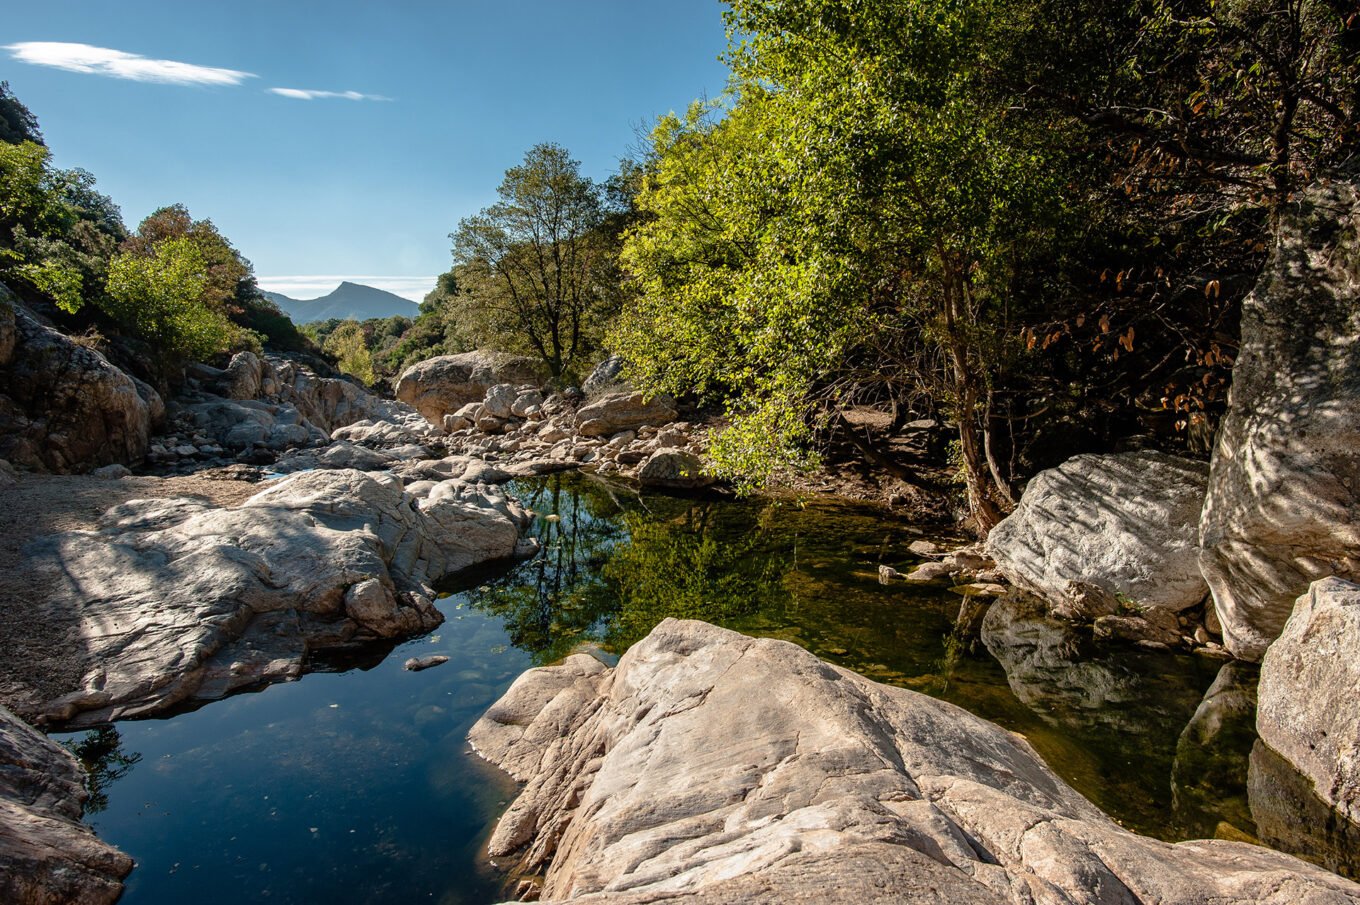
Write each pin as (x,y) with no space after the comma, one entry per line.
(357,785)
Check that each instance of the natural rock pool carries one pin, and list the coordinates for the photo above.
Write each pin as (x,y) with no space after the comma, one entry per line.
(356,784)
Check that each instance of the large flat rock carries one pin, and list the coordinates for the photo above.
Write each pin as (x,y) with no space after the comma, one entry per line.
(176,600)
(708,766)
(1283,508)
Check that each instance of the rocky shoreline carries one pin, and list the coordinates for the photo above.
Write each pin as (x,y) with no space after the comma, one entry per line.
(706,766)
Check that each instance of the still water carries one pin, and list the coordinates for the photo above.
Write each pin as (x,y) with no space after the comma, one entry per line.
(356,784)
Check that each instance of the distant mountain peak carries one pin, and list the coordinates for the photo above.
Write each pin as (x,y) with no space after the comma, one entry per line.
(348,301)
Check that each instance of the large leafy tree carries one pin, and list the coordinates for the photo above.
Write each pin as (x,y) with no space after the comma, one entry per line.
(537,270)
(855,226)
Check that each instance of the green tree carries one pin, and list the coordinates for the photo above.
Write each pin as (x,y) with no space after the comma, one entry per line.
(159,295)
(17,122)
(348,343)
(537,271)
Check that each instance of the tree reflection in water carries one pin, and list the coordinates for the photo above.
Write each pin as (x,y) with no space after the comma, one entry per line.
(100,752)
(612,566)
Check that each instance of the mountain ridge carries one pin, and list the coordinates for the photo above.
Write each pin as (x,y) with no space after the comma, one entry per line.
(348,301)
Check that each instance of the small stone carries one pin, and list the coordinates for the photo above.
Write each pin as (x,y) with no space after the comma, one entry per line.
(416,664)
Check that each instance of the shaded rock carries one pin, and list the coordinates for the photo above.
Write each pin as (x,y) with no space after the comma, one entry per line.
(1288,815)
(442,385)
(1126,523)
(1309,699)
(1283,507)
(1137,627)
(1210,773)
(605,376)
(615,412)
(178,600)
(710,767)
(931,571)
(111,472)
(46,854)
(675,469)
(63,407)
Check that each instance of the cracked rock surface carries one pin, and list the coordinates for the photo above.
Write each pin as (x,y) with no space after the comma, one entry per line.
(712,767)
(173,600)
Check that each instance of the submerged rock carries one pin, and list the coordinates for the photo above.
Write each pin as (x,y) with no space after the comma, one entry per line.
(711,767)
(1126,524)
(1283,508)
(417,664)
(178,600)
(46,854)
(1309,700)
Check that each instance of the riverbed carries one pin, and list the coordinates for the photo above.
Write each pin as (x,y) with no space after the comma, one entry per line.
(356,784)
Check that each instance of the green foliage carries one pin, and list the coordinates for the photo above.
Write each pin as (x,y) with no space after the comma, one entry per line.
(348,344)
(537,271)
(17,122)
(159,295)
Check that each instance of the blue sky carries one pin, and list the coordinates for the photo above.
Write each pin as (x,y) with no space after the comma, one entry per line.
(335,187)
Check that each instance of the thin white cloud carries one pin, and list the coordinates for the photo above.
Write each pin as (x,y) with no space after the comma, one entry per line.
(119,64)
(317,285)
(306,94)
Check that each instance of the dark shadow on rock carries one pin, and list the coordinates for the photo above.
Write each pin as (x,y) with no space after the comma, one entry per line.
(1290,817)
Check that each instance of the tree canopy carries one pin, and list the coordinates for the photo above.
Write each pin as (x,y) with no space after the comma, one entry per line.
(537,271)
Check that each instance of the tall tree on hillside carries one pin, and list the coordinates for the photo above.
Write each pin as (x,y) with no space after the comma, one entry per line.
(17,122)
(537,270)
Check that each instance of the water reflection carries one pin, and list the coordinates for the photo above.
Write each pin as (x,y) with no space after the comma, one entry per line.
(358,786)
(100,752)
(1112,715)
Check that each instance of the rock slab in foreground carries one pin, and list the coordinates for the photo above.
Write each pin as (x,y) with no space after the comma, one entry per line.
(46,854)
(1126,524)
(178,600)
(712,767)
(1283,508)
(1308,701)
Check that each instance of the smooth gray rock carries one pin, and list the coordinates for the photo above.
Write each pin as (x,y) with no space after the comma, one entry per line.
(47,855)
(708,766)
(442,385)
(63,407)
(674,469)
(615,412)
(178,600)
(1125,523)
(1283,508)
(499,400)
(1309,699)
